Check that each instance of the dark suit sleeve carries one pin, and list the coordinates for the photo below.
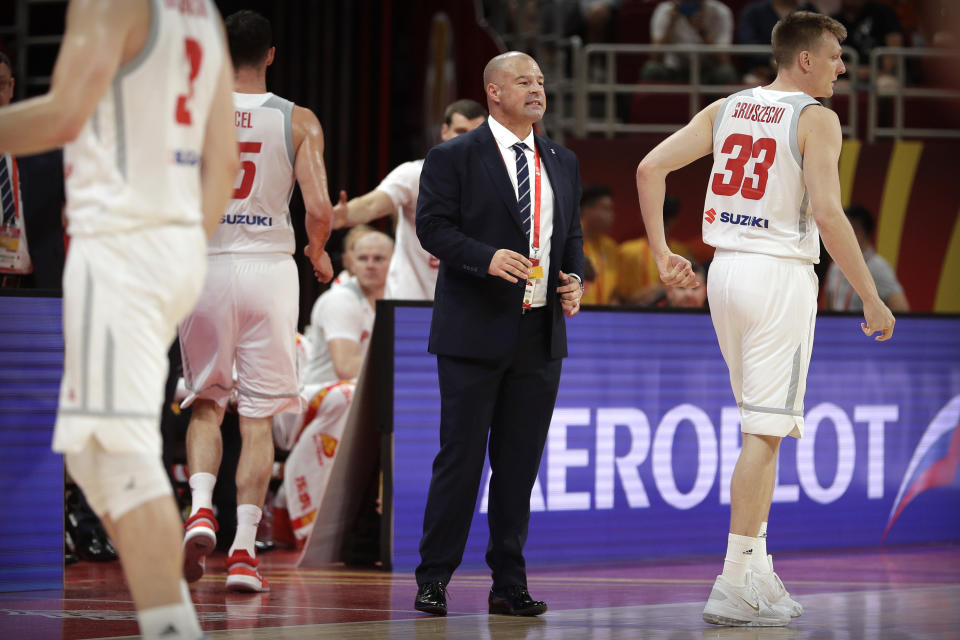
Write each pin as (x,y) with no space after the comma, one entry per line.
(573,250)
(439,225)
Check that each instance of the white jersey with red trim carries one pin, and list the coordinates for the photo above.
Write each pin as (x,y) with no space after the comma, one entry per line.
(756,198)
(257,219)
(136,161)
(413,271)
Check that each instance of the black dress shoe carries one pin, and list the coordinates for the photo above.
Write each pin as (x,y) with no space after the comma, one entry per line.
(515,601)
(432,598)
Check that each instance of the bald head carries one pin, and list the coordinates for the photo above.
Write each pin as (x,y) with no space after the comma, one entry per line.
(514,86)
(503,63)
(374,240)
(371,257)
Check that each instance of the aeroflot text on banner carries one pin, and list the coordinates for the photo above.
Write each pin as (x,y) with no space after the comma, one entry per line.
(716,457)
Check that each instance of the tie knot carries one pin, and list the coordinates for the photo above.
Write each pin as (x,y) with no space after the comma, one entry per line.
(519,148)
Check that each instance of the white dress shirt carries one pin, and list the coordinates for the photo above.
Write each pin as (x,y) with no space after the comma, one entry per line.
(505,140)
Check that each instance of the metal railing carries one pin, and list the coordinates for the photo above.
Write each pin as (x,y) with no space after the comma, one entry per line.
(899,93)
(577,98)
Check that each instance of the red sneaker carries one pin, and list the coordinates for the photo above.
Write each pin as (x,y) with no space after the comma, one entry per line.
(242,573)
(199,541)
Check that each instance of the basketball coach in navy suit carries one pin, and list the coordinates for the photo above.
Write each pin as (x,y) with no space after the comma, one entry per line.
(500,208)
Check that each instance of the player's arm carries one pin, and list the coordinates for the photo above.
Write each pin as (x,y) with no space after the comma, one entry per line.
(221,160)
(347,357)
(361,210)
(690,143)
(311,175)
(92,49)
(820,140)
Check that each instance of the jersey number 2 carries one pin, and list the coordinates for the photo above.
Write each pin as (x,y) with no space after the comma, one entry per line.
(753,187)
(194,53)
(247,170)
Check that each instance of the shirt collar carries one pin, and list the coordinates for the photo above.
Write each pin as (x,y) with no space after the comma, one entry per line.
(506,138)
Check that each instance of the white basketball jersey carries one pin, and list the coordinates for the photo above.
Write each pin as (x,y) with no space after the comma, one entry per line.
(258,216)
(136,161)
(756,198)
(413,271)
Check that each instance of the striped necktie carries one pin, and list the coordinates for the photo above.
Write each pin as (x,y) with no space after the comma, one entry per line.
(7,203)
(523,185)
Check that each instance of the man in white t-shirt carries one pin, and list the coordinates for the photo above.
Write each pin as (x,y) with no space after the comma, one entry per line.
(339,333)
(342,318)
(413,271)
(839,295)
(691,22)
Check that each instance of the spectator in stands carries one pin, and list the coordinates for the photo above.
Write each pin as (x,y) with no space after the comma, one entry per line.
(342,318)
(15,261)
(596,218)
(870,25)
(638,281)
(592,20)
(691,22)
(754,26)
(839,295)
(338,336)
(31,203)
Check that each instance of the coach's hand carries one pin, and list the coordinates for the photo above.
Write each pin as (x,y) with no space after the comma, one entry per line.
(570,293)
(509,265)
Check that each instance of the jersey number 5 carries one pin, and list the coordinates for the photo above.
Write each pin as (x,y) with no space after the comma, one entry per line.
(194,53)
(247,170)
(755,184)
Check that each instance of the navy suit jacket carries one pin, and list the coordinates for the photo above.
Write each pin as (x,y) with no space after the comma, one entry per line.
(466,211)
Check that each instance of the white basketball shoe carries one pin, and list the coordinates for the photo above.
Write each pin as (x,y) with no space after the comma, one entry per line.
(741,606)
(771,587)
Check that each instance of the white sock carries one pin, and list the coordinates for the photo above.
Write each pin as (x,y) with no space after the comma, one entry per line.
(171,621)
(248,517)
(740,550)
(758,560)
(201,491)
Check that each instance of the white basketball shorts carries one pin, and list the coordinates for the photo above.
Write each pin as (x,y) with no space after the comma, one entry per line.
(764,310)
(123,296)
(246,317)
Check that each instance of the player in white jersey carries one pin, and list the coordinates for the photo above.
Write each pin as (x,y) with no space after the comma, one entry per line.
(413,271)
(139,95)
(774,184)
(246,317)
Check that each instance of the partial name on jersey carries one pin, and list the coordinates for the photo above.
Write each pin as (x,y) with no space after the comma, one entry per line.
(758,112)
(243,119)
(189,7)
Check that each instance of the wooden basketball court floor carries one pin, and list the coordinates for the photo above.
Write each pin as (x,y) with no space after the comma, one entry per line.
(889,593)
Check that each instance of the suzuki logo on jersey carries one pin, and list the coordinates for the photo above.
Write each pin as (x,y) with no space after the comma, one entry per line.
(242,218)
(744,221)
(710,215)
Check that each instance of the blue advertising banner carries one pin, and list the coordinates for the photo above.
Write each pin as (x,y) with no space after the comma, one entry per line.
(645,436)
(31,475)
